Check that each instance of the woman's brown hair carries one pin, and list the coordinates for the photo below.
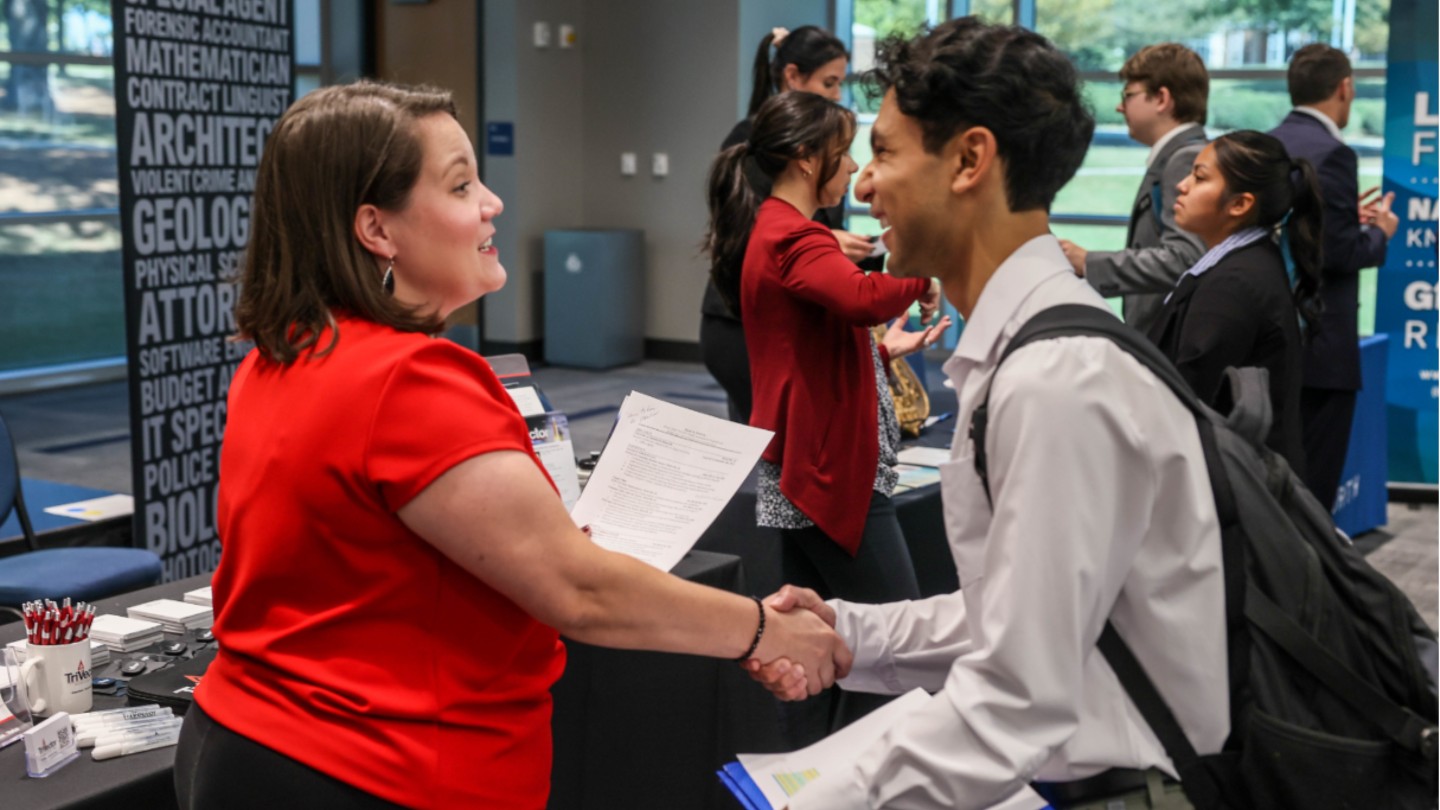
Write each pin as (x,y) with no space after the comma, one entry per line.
(334,150)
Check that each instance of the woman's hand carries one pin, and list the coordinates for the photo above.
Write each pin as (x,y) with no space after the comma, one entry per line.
(786,679)
(855,247)
(815,655)
(899,342)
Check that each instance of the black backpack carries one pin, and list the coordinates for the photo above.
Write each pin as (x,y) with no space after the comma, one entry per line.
(1332,686)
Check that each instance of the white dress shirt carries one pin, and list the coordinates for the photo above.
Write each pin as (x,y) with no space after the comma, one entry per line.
(1330,125)
(1159,145)
(1103,509)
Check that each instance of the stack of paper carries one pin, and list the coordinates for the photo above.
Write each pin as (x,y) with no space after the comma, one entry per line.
(768,781)
(199,596)
(125,635)
(173,615)
(99,653)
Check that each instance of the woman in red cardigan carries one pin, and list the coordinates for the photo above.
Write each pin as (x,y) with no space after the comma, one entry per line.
(818,376)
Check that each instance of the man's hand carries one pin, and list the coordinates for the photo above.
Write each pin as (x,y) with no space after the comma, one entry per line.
(789,679)
(855,247)
(899,342)
(1076,255)
(1379,215)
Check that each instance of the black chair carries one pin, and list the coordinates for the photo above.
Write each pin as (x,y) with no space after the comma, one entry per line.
(79,573)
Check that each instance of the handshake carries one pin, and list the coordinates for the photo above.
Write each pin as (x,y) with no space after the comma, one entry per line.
(800,653)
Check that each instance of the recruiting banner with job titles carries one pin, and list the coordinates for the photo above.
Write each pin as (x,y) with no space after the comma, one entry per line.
(1406,291)
(199,84)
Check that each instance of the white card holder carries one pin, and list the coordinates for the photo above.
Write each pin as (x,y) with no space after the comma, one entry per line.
(50,746)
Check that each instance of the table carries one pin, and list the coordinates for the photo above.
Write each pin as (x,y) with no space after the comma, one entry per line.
(626,724)
(55,531)
(919,511)
(649,730)
(142,781)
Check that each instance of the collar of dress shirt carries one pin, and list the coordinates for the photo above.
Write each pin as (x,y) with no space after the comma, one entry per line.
(1165,139)
(1324,119)
(1014,280)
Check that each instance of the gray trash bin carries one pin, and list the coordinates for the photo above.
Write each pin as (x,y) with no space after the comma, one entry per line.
(594,297)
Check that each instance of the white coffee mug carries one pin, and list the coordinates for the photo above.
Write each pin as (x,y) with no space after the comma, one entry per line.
(57,677)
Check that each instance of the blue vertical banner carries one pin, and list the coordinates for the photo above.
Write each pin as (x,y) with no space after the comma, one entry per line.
(1406,295)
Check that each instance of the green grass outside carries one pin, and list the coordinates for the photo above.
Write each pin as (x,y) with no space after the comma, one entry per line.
(64,295)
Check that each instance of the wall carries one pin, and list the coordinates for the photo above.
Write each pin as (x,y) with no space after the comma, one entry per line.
(646,76)
(433,43)
(539,91)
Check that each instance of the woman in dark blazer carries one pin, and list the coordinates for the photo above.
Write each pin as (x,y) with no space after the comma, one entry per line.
(811,60)
(1240,305)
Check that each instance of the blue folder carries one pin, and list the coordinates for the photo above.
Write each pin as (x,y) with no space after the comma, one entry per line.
(737,779)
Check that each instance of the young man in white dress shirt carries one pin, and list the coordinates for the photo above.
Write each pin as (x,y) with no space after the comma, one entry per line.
(1102,504)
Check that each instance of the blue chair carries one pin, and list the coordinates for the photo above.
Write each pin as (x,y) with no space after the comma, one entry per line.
(80,573)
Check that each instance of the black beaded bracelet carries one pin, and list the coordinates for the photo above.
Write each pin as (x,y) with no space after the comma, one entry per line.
(759,631)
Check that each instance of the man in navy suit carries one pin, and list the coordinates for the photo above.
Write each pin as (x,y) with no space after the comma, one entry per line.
(1355,235)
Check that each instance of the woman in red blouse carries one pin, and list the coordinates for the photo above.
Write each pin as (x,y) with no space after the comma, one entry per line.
(396,563)
(818,377)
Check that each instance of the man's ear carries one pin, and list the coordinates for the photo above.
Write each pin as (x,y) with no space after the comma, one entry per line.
(971,158)
(1165,101)
(1345,93)
(372,231)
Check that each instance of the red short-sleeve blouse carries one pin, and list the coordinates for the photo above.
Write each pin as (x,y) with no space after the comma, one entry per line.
(347,642)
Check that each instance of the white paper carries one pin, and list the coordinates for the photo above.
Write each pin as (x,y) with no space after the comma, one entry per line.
(924,456)
(95,508)
(559,461)
(664,477)
(527,399)
(781,776)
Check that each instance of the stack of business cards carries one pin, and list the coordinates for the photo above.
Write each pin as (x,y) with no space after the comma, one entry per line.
(99,653)
(121,634)
(175,616)
(199,596)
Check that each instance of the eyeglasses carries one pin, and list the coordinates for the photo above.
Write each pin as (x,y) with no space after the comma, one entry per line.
(1125,96)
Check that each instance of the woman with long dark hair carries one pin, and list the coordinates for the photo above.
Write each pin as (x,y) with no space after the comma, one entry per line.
(818,376)
(810,60)
(1241,305)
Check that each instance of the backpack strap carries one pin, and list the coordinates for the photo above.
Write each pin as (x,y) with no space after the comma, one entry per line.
(1067,320)
(1407,729)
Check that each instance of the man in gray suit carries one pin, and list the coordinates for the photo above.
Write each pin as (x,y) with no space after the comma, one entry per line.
(1164,104)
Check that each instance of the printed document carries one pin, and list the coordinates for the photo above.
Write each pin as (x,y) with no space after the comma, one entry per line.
(664,477)
(768,781)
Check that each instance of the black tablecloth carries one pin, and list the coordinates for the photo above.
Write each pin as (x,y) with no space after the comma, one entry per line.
(919,512)
(142,781)
(627,724)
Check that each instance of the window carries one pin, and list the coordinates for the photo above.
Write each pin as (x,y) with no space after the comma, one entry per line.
(1246,45)
(60,242)
(59,231)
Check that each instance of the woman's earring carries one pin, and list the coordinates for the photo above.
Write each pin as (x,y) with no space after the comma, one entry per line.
(388,281)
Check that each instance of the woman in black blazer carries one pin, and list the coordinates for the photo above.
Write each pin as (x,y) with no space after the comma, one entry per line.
(1240,305)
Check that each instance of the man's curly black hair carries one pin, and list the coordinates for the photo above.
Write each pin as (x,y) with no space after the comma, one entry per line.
(968,73)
